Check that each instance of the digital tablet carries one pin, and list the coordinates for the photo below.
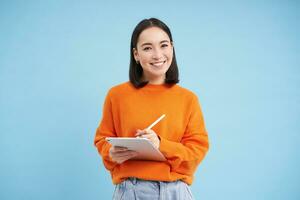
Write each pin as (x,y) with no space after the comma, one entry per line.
(143,146)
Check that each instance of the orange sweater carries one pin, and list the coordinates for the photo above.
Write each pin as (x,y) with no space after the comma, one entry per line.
(184,140)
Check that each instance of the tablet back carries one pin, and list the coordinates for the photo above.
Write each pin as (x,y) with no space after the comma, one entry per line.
(143,146)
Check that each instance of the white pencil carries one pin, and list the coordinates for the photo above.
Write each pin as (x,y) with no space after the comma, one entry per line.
(154,123)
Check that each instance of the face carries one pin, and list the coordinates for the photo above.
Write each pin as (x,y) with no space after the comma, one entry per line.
(155,53)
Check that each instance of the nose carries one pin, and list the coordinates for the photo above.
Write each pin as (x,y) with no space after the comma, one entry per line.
(157,54)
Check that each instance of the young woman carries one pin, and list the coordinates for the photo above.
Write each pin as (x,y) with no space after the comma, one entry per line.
(132,106)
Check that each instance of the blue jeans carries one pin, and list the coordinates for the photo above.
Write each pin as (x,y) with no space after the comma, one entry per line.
(137,189)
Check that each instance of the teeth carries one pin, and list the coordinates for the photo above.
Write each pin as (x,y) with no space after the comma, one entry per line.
(158,64)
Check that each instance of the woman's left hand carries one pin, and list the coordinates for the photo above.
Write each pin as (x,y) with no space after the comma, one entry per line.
(149,134)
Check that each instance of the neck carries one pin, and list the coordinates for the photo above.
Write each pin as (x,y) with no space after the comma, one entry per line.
(155,80)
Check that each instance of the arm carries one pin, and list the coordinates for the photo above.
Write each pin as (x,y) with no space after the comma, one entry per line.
(105,129)
(186,155)
(111,155)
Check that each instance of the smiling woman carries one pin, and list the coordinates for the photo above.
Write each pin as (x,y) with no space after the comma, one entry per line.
(130,107)
(152,54)
(154,51)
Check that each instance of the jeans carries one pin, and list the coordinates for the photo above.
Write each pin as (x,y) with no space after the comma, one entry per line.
(137,189)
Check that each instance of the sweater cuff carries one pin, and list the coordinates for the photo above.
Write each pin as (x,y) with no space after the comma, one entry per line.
(169,148)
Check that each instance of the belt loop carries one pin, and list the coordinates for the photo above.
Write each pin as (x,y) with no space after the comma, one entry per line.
(134,180)
(161,190)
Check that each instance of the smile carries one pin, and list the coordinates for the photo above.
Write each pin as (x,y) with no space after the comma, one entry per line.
(158,64)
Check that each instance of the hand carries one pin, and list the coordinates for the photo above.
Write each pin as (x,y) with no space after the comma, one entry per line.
(121,154)
(149,134)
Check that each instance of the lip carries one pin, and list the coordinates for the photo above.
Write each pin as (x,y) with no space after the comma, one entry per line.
(158,63)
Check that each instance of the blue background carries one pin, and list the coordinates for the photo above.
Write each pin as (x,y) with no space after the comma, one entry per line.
(59,58)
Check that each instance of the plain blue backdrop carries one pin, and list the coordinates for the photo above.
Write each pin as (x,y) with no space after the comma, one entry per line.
(59,58)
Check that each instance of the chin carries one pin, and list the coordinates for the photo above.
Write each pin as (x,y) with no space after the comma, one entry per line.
(160,73)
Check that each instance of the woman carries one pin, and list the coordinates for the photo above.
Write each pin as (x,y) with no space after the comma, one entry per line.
(130,107)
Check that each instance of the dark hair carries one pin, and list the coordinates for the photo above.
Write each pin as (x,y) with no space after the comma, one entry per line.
(135,70)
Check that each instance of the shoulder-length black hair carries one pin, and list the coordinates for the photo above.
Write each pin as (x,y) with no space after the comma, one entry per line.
(135,70)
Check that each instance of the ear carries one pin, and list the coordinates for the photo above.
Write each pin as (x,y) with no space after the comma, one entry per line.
(135,54)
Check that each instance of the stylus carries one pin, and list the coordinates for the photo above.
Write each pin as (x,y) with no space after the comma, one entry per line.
(154,123)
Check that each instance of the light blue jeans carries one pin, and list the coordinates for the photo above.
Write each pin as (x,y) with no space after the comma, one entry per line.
(137,189)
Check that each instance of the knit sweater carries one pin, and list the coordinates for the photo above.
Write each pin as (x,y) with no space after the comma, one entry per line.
(182,133)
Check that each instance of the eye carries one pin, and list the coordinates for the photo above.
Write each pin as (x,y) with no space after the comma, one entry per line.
(164,45)
(146,48)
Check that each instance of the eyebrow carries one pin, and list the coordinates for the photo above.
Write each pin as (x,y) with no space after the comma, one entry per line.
(147,43)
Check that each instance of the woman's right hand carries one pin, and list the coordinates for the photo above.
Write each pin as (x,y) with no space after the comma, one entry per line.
(121,154)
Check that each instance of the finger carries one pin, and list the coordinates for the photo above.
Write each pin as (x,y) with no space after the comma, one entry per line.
(146,136)
(122,154)
(139,132)
(120,161)
(129,155)
(151,132)
(149,135)
(148,131)
(118,148)
(145,132)
(123,159)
